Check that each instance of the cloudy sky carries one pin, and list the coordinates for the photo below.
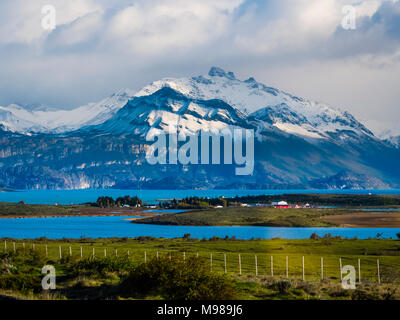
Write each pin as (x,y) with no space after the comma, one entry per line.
(300,46)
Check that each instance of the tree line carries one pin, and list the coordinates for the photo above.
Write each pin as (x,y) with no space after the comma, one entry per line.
(109,202)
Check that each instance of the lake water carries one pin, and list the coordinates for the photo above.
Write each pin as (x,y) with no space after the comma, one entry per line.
(151,196)
(116,226)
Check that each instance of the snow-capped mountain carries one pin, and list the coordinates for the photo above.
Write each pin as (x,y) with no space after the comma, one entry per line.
(167,109)
(300,143)
(287,112)
(46,120)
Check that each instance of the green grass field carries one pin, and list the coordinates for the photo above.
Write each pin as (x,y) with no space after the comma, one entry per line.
(252,282)
(253,216)
(331,250)
(18,209)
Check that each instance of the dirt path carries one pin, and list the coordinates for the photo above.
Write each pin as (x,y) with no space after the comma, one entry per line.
(366,220)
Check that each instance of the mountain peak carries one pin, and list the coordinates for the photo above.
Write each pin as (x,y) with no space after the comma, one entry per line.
(218,72)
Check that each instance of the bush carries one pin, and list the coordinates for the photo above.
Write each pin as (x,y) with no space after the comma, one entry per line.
(177,280)
(21,282)
(102,266)
(283,286)
(314,236)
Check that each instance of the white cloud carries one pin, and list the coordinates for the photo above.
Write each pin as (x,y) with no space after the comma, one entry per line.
(20,20)
(153,26)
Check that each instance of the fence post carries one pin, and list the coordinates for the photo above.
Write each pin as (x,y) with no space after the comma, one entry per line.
(59,251)
(5,245)
(128,252)
(359,271)
(105,252)
(322,268)
(225,262)
(81,252)
(303,269)
(287,267)
(70,251)
(240,265)
(116,252)
(145,257)
(211,262)
(272,266)
(340,266)
(47,252)
(184,256)
(379,275)
(23,245)
(33,246)
(14,247)
(197,255)
(255,258)
(93,252)
(157,255)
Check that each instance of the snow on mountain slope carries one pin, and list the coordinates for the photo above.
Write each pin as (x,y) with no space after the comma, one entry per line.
(250,96)
(267,106)
(24,120)
(167,109)
(11,122)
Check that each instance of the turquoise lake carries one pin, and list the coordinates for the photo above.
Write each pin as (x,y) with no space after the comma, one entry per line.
(115,226)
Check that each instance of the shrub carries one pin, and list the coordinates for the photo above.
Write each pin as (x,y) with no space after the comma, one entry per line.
(21,282)
(102,266)
(314,236)
(177,280)
(283,286)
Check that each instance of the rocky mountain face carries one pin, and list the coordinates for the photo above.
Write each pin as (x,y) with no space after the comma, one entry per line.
(298,143)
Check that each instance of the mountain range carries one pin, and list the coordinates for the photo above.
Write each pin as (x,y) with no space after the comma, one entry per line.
(299,143)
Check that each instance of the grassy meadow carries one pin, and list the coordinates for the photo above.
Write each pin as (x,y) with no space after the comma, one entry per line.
(250,216)
(250,282)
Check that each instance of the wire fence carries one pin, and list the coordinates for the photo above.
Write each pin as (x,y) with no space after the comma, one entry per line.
(369,269)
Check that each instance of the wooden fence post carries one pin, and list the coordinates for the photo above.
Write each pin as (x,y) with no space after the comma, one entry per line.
(225,262)
(303,269)
(128,252)
(93,253)
(5,245)
(359,271)
(70,251)
(145,257)
(33,246)
(59,251)
(322,268)
(379,275)
(340,266)
(211,262)
(255,260)
(272,266)
(116,252)
(23,245)
(287,267)
(240,265)
(105,252)
(47,252)
(81,252)
(184,256)
(14,247)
